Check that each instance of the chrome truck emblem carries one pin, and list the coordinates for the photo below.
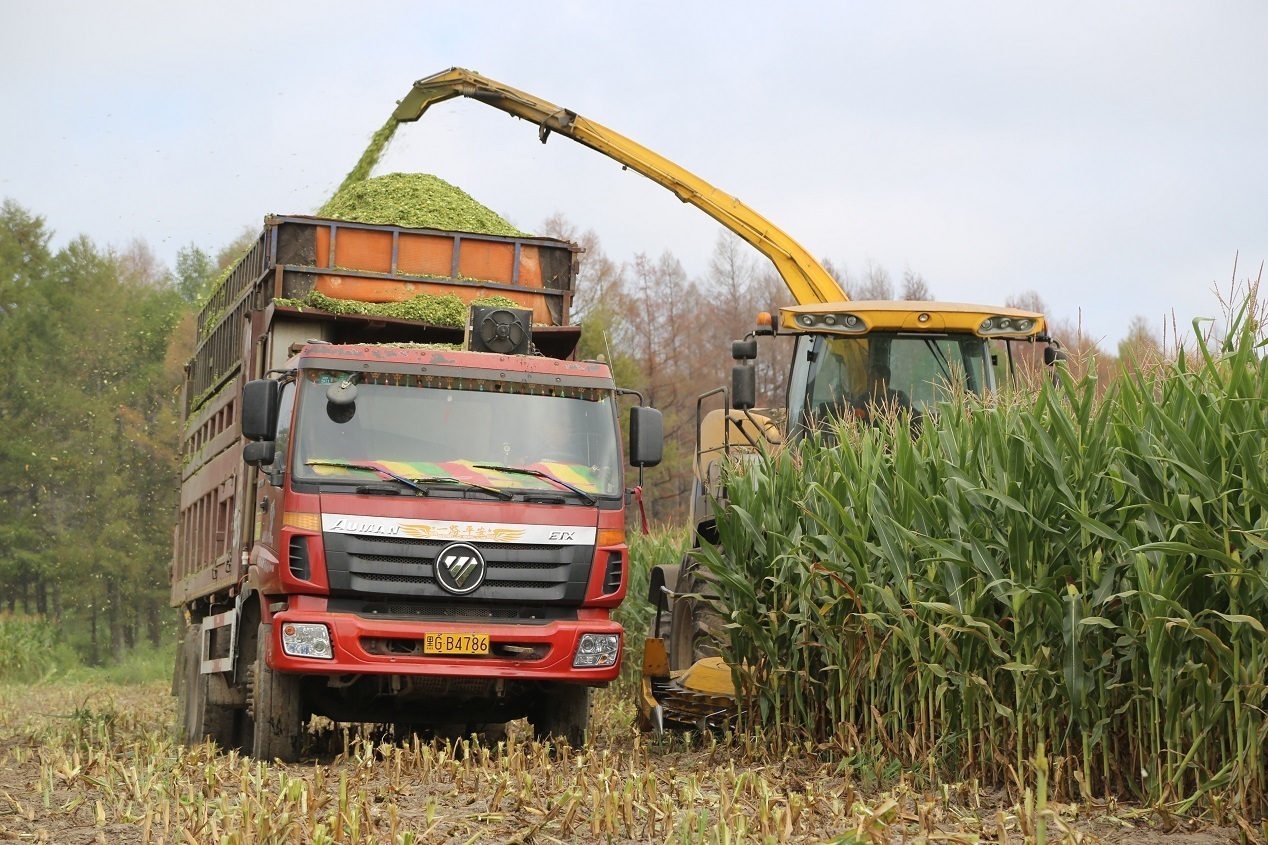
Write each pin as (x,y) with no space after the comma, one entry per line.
(460,568)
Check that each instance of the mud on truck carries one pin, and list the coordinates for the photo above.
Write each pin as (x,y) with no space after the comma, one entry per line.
(394,521)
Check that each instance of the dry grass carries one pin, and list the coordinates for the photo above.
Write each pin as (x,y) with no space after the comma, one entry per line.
(81,764)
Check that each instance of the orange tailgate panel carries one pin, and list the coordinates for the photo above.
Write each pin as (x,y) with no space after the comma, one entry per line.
(424,255)
(486,261)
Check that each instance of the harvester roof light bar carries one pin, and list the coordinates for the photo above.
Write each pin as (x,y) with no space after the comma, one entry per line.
(842,323)
(1000,324)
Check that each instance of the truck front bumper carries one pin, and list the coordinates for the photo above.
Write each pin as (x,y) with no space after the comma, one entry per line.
(395,647)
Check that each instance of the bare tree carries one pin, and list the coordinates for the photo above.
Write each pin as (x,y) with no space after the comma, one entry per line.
(663,310)
(1140,348)
(236,248)
(771,294)
(1027,301)
(730,287)
(877,283)
(600,280)
(915,287)
(140,265)
(730,278)
(844,279)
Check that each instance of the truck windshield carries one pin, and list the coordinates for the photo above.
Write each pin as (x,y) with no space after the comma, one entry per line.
(422,427)
(836,376)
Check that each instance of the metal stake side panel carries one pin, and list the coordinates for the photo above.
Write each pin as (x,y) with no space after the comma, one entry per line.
(211,525)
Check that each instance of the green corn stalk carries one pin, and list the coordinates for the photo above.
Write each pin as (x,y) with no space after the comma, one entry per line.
(1084,564)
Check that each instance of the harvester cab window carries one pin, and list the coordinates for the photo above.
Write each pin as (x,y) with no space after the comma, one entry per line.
(934,369)
(853,376)
(838,377)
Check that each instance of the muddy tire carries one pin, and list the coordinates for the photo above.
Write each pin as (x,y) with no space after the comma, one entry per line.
(200,719)
(697,625)
(274,708)
(562,714)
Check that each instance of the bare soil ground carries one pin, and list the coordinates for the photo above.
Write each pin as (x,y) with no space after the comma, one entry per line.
(81,764)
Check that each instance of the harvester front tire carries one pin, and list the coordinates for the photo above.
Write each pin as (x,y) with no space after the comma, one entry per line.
(562,714)
(276,709)
(697,627)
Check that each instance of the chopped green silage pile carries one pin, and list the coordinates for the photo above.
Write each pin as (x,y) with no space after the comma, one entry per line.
(414,200)
(437,310)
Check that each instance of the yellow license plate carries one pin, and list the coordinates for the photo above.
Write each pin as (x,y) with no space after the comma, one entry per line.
(456,644)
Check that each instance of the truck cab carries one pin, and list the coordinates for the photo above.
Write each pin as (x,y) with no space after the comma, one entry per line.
(441,536)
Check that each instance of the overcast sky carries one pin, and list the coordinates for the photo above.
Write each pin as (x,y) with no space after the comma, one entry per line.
(1112,157)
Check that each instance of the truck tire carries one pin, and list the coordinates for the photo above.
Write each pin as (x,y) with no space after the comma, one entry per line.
(562,714)
(275,711)
(696,625)
(200,719)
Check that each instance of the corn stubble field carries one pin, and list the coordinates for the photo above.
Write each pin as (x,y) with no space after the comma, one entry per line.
(86,764)
(1037,622)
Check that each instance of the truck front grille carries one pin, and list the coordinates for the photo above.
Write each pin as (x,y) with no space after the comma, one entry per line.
(439,610)
(516,572)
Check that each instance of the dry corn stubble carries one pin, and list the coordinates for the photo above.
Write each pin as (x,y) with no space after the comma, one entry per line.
(115,769)
(81,763)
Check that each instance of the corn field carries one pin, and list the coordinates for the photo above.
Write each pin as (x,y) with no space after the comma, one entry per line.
(1060,578)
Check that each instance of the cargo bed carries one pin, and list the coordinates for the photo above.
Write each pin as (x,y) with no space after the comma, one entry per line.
(297,255)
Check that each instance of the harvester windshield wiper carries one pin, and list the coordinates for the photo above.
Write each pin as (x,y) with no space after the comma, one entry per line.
(940,357)
(537,473)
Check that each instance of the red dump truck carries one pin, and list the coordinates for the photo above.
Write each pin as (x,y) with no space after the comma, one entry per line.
(390,520)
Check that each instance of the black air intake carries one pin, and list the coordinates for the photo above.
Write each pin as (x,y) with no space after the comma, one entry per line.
(612,579)
(298,558)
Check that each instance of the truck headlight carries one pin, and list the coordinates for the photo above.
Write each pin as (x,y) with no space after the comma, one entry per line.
(306,639)
(595,650)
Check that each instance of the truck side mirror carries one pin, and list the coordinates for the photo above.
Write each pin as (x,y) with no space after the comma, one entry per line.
(743,387)
(744,350)
(1052,354)
(259,453)
(647,438)
(259,409)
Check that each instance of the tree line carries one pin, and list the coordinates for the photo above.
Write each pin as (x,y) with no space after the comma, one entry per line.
(93,341)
